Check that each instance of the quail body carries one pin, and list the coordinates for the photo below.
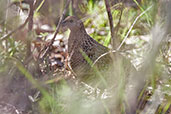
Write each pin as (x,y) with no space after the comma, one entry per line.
(81,44)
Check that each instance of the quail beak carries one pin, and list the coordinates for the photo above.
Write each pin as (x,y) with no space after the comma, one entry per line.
(63,25)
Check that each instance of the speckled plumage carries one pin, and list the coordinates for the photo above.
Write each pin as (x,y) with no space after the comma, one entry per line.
(80,40)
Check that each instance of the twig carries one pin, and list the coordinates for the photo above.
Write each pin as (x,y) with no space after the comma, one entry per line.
(113,51)
(30,23)
(133,26)
(18,28)
(6,16)
(30,26)
(56,31)
(120,17)
(113,42)
(15,30)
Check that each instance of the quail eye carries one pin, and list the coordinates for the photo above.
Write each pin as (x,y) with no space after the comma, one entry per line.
(71,21)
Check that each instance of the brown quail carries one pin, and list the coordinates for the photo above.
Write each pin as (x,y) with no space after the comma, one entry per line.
(80,42)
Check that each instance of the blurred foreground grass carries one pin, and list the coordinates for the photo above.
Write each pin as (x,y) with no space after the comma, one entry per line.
(66,97)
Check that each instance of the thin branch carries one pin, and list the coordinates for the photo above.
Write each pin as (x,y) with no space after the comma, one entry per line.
(6,16)
(56,31)
(59,23)
(30,23)
(17,29)
(133,26)
(113,42)
(113,51)
(30,26)
(124,38)
(120,17)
